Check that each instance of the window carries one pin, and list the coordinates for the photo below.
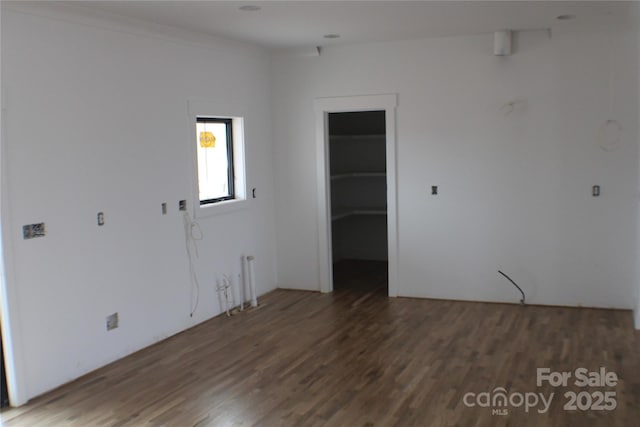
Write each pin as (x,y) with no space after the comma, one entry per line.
(214,139)
(217,166)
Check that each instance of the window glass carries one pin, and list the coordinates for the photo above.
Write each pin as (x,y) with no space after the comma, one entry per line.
(215,160)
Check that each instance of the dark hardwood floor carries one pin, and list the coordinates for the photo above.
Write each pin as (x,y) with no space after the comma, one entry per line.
(354,358)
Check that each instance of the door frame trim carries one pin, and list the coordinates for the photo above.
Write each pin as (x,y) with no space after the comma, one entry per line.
(343,104)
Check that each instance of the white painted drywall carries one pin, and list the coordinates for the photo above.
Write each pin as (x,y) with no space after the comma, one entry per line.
(97,121)
(515,189)
(10,329)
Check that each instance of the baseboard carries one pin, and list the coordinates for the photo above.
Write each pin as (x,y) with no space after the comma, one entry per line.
(636,318)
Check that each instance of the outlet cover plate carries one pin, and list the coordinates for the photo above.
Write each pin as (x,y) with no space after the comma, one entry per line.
(112,321)
(31,231)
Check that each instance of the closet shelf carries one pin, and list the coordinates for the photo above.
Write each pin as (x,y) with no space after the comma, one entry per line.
(375,136)
(358,175)
(345,212)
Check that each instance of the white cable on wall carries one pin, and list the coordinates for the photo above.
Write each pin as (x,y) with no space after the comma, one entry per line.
(609,134)
(225,288)
(192,233)
(517,104)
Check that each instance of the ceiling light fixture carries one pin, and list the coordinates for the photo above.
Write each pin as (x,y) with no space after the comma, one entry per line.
(249,8)
(331,36)
(565,17)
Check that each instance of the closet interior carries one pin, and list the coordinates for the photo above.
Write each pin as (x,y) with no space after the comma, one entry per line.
(357,159)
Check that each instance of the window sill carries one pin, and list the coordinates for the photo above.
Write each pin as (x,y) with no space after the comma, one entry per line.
(220,208)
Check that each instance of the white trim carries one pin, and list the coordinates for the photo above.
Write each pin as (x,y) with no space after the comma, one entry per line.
(203,108)
(9,307)
(323,106)
(324,198)
(636,318)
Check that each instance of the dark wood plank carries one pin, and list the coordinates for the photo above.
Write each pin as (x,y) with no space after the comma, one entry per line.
(353,359)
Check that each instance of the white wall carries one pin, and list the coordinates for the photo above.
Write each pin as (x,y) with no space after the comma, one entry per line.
(515,190)
(97,121)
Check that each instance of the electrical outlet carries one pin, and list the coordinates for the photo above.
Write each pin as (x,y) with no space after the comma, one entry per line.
(164,208)
(31,231)
(182,205)
(100,219)
(112,321)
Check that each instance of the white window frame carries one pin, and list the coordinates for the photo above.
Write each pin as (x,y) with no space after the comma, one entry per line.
(202,108)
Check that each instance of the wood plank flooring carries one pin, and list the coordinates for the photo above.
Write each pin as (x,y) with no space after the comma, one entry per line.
(353,359)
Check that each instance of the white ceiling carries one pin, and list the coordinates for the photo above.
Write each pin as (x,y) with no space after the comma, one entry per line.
(284,24)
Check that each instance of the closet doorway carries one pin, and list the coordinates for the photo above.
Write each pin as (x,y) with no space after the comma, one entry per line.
(357,218)
(358,188)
